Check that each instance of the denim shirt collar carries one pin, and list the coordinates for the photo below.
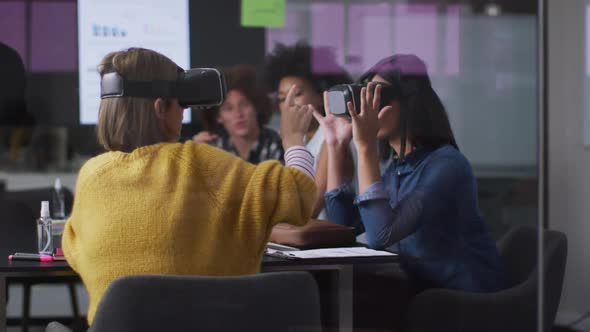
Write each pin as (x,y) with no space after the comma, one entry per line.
(412,160)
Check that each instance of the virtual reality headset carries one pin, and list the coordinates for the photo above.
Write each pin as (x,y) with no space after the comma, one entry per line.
(198,87)
(340,95)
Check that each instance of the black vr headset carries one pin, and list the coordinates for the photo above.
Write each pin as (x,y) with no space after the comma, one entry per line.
(199,87)
(340,95)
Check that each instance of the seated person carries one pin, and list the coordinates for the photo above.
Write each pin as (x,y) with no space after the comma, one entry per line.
(237,126)
(313,71)
(16,122)
(425,205)
(151,205)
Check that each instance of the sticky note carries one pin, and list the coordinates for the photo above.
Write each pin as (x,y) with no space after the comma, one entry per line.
(263,13)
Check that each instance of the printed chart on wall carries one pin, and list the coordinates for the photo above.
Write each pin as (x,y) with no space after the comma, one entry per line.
(110,25)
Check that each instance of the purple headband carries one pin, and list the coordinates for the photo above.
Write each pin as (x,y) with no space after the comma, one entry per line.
(399,64)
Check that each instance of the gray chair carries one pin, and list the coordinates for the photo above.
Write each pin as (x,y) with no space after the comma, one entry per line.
(276,302)
(513,309)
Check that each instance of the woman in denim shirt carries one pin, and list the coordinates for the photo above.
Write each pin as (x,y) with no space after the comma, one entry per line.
(425,204)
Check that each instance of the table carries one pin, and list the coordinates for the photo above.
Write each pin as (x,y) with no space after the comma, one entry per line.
(341,284)
(340,268)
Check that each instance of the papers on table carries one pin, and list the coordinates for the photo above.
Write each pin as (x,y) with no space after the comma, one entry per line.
(281,247)
(328,253)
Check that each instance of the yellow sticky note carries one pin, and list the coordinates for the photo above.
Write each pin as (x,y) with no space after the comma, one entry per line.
(263,13)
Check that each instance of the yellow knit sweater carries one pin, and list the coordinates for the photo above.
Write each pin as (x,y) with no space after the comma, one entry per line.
(175,208)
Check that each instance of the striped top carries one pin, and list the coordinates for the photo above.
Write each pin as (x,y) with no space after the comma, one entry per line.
(300,158)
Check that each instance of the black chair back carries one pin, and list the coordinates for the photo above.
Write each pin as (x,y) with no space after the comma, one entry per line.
(266,302)
(512,309)
(518,249)
(555,261)
(520,252)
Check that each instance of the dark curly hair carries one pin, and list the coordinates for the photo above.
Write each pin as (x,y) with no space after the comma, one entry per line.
(316,65)
(243,79)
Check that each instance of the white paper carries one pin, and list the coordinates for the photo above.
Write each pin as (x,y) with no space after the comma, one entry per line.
(280,247)
(329,253)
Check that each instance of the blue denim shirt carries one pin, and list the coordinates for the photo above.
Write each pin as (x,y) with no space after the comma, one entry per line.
(427,206)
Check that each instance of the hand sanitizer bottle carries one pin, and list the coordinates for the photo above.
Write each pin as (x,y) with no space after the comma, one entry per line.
(44,231)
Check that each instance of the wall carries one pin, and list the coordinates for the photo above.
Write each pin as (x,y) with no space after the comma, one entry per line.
(216,38)
(569,161)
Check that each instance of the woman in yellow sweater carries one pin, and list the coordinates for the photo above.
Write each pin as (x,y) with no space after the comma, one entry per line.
(150,205)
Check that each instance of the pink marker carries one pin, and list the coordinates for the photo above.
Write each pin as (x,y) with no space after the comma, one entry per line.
(46,258)
(30,257)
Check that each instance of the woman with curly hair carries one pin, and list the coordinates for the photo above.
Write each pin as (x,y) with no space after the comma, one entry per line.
(237,126)
(312,71)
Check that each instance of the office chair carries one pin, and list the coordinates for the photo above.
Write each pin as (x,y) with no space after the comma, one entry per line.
(268,302)
(16,122)
(13,77)
(513,309)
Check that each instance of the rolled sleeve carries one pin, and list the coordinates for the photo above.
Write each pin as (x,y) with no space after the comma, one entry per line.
(375,191)
(345,189)
(340,207)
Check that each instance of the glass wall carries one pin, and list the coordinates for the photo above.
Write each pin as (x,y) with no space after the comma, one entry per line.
(482,61)
(482,57)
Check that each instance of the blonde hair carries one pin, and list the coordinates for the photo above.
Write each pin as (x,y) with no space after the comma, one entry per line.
(126,123)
